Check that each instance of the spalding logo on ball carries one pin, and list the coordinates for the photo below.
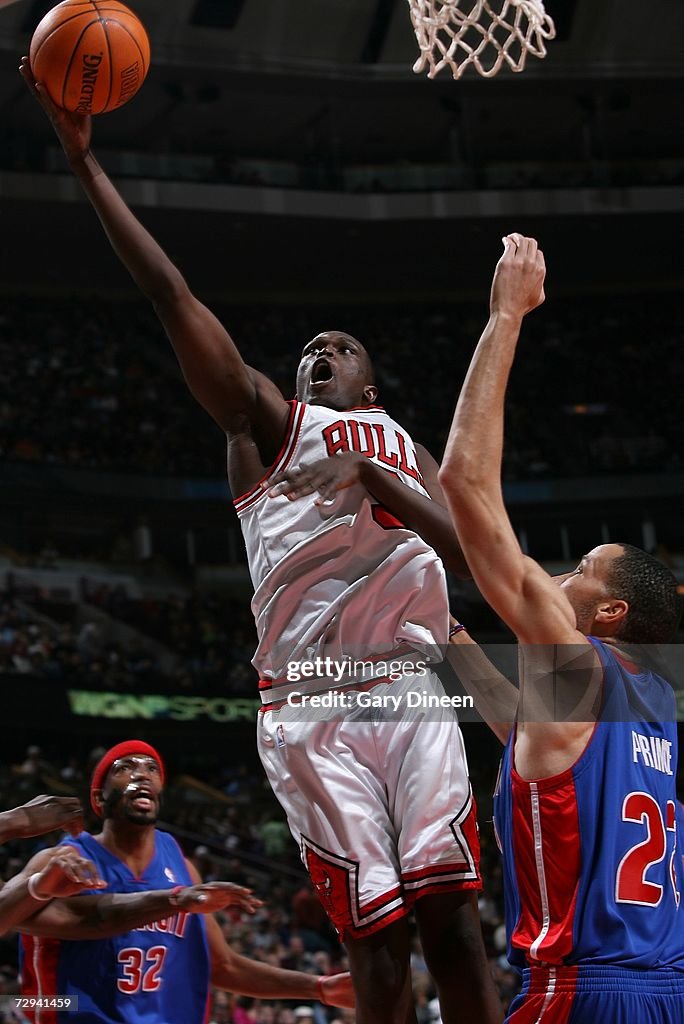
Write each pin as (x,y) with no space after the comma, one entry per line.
(91,55)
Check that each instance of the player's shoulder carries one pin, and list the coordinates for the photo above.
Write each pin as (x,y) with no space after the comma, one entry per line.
(631,675)
(84,841)
(165,841)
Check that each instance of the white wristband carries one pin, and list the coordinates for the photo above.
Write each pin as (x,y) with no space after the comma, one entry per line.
(31,886)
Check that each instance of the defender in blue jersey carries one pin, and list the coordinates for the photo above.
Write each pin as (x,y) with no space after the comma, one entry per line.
(586,804)
(157,973)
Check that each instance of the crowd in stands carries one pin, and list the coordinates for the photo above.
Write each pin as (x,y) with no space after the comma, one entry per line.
(594,390)
(212,635)
(211,638)
(241,836)
(208,638)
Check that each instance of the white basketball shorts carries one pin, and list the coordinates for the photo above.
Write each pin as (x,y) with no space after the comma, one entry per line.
(378,798)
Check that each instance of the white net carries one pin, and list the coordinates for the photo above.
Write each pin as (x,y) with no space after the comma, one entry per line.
(486,36)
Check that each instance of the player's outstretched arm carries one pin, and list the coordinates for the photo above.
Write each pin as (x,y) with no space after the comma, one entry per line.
(428,517)
(515,586)
(216,374)
(495,696)
(239,974)
(99,917)
(40,815)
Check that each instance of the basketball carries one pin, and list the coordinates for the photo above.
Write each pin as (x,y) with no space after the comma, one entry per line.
(92,56)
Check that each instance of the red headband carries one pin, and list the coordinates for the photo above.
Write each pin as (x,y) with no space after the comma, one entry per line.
(124,749)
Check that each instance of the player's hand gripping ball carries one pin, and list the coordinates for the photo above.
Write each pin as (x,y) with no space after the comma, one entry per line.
(92,56)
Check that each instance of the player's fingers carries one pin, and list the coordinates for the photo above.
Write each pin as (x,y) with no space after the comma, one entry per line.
(327,490)
(80,869)
(285,476)
(64,868)
(27,75)
(529,247)
(515,239)
(247,906)
(277,478)
(53,111)
(230,899)
(88,871)
(307,483)
(302,487)
(284,487)
(287,483)
(68,853)
(73,873)
(190,896)
(35,87)
(87,879)
(318,480)
(230,888)
(68,804)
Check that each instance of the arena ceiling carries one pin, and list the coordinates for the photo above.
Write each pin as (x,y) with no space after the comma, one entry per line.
(291,79)
(278,78)
(374,37)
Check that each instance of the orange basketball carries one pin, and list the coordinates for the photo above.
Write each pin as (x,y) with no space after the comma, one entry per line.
(91,55)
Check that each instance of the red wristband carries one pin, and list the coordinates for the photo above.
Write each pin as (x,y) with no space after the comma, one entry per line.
(319,988)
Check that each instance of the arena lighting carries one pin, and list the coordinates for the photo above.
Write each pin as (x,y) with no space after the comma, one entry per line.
(586,409)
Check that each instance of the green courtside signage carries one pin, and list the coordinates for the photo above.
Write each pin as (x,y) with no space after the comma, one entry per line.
(94,704)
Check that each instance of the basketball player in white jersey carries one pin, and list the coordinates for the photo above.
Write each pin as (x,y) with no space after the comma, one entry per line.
(382,808)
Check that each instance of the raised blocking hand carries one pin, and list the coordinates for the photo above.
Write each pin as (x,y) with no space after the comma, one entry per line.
(518,284)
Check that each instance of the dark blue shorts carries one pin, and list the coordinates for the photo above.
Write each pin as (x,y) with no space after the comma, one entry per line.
(590,994)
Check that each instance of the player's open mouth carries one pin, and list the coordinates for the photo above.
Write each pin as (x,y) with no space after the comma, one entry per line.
(142,799)
(321,373)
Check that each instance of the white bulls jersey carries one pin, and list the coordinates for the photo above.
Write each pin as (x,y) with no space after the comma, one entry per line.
(344,579)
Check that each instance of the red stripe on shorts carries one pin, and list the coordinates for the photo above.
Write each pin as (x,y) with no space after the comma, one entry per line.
(549,998)
(546,845)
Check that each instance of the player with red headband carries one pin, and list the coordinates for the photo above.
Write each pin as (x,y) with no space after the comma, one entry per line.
(154,972)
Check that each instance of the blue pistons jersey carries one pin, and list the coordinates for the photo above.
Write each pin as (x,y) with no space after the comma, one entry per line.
(593,870)
(156,974)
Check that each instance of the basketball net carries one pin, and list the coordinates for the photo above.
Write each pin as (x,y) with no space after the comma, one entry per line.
(483,37)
